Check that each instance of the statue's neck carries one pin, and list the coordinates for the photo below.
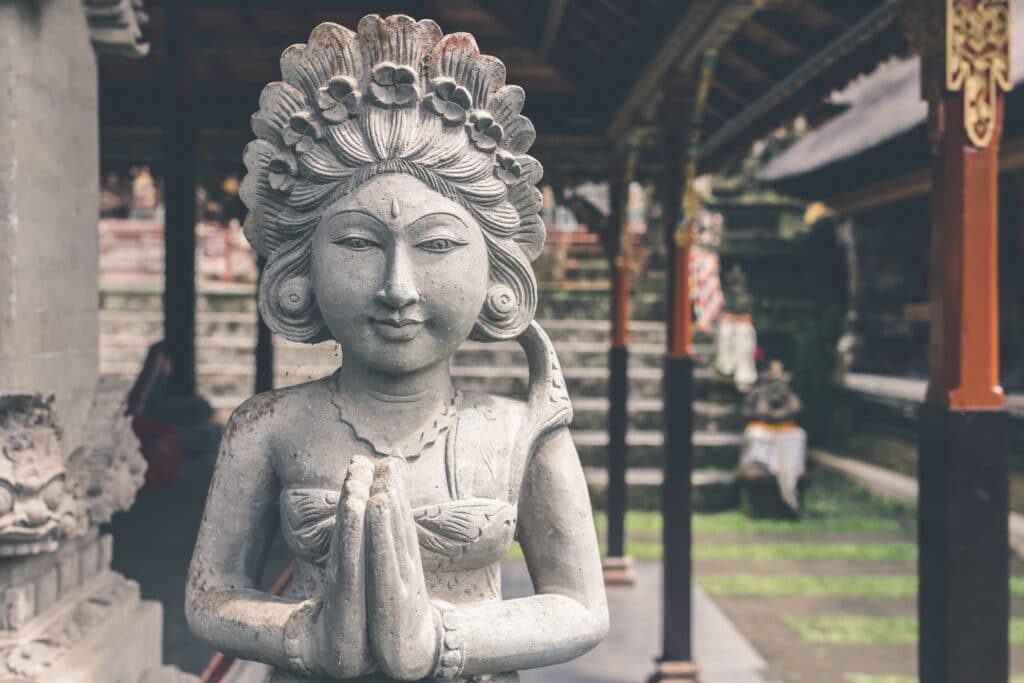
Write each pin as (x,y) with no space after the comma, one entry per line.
(383,401)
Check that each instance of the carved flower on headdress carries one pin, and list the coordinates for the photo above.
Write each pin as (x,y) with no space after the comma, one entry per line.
(339,100)
(302,132)
(393,85)
(281,172)
(450,101)
(507,168)
(484,131)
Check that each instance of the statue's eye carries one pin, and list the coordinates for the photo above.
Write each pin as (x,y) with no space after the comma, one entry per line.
(357,243)
(53,493)
(6,500)
(440,245)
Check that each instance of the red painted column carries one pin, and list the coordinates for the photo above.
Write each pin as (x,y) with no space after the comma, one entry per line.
(963,597)
(680,121)
(618,567)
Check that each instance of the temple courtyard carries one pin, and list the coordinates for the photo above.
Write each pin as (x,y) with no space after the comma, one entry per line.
(827,599)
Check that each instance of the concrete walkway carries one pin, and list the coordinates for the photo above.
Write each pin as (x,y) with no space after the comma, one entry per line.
(627,655)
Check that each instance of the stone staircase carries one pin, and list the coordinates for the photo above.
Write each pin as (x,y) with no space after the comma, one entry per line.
(576,320)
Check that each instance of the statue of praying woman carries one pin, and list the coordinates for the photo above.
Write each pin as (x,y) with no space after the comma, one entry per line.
(390,192)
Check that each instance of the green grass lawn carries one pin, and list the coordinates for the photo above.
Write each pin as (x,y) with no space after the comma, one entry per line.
(871,631)
(826,552)
(867,585)
(811,586)
(832,505)
(872,678)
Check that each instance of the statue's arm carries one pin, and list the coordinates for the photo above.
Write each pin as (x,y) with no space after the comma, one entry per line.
(223,605)
(569,613)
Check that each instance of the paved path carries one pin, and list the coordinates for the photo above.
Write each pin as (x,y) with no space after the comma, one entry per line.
(627,655)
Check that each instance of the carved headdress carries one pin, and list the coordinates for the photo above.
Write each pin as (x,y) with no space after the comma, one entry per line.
(396,96)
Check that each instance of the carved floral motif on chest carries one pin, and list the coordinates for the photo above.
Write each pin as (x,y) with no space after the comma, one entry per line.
(459,534)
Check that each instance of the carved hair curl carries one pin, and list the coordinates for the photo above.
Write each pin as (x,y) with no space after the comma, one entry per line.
(396,96)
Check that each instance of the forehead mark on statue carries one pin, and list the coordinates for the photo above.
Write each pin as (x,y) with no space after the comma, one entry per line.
(396,210)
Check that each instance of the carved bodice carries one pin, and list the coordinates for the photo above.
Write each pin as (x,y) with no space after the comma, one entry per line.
(464,534)
(462,537)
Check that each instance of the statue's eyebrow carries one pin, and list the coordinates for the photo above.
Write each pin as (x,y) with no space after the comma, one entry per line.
(375,223)
(425,220)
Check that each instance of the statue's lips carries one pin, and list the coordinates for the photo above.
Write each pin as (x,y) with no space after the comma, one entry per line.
(398,329)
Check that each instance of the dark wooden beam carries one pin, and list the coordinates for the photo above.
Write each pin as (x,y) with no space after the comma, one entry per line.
(745,67)
(626,18)
(813,67)
(680,50)
(761,34)
(552,24)
(819,16)
(720,85)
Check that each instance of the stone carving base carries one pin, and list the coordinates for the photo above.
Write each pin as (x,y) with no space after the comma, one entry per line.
(675,672)
(618,571)
(66,617)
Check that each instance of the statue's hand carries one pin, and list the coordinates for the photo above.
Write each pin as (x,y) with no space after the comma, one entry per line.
(343,646)
(403,624)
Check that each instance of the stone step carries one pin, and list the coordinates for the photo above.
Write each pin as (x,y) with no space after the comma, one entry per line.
(237,349)
(556,302)
(646,414)
(237,379)
(713,450)
(148,324)
(713,490)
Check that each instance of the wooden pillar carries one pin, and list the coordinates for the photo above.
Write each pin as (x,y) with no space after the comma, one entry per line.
(179,162)
(963,600)
(618,567)
(679,113)
(264,347)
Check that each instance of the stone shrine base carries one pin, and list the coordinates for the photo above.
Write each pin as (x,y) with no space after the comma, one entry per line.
(67,617)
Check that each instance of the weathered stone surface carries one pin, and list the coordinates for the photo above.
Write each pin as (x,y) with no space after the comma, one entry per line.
(65,616)
(48,206)
(391,193)
(51,489)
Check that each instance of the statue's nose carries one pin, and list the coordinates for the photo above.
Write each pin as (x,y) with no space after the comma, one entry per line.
(399,287)
(35,513)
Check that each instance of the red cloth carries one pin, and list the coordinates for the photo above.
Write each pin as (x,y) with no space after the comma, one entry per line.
(161,448)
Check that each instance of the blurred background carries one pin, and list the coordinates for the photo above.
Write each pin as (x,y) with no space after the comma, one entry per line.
(746,185)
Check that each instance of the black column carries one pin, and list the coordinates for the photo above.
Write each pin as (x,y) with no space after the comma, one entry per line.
(675,508)
(618,417)
(264,347)
(963,555)
(179,169)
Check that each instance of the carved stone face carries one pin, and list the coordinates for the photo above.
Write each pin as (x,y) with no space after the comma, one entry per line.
(33,499)
(400,274)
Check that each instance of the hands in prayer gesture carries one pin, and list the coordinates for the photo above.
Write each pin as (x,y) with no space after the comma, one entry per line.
(376,611)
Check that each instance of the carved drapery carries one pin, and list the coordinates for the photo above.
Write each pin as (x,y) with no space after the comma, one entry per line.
(978,61)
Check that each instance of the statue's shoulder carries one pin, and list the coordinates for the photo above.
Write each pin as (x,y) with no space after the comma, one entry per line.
(501,412)
(266,415)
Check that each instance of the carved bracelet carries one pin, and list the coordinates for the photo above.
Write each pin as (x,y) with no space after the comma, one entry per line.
(451,650)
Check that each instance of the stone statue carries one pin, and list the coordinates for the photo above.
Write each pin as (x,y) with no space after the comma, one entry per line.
(390,191)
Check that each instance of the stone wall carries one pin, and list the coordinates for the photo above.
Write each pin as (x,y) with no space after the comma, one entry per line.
(49,164)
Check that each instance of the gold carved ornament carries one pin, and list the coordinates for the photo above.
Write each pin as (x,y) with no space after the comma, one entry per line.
(634,143)
(689,203)
(978,61)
